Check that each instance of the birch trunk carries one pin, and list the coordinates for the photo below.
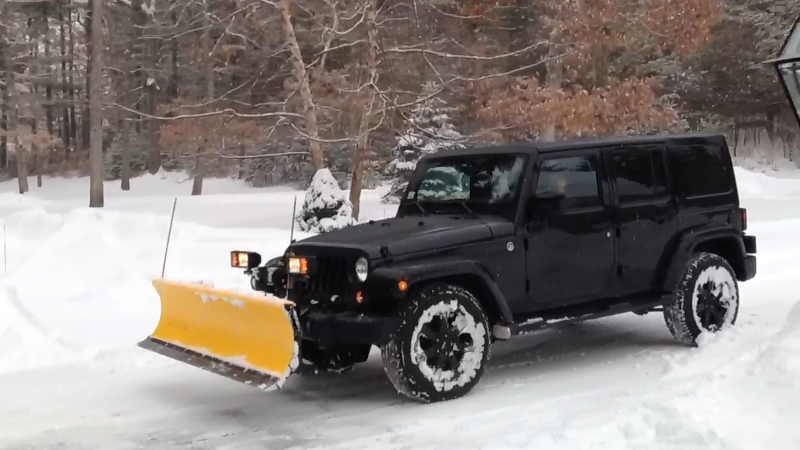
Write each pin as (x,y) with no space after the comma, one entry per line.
(362,144)
(300,73)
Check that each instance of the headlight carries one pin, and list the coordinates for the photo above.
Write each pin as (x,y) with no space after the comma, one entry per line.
(362,269)
(298,265)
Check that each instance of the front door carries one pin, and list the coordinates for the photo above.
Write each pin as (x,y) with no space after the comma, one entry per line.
(571,251)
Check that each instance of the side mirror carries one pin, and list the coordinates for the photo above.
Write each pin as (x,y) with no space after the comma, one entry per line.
(545,204)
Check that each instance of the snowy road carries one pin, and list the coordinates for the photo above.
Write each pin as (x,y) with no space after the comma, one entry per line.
(617,383)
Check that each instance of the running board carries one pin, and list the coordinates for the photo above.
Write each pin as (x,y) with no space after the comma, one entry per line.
(551,320)
(217,366)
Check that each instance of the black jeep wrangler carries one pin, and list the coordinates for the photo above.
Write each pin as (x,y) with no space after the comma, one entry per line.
(492,242)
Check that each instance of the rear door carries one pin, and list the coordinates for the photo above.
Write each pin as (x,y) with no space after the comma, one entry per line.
(645,213)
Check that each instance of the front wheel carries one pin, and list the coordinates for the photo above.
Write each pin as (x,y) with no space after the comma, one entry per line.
(441,346)
(706,299)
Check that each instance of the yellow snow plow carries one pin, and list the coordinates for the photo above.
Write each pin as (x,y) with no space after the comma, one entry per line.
(245,337)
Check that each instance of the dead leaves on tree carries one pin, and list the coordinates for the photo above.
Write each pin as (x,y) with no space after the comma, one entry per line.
(623,107)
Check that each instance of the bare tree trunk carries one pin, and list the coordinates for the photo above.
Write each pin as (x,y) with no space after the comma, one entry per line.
(149,58)
(12,103)
(172,89)
(65,126)
(553,80)
(86,121)
(35,156)
(50,81)
(22,166)
(95,91)
(4,102)
(200,163)
(3,130)
(73,119)
(300,73)
(125,170)
(199,168)
(362,144)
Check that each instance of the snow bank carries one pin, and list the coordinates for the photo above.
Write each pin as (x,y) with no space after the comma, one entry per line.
(754,185)
(79,284)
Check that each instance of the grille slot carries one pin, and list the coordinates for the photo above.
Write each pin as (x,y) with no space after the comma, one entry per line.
(331,276)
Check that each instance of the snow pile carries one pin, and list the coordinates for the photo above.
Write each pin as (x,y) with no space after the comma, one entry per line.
(749,384)
(326,206)
(780,360)
(79,284)
(74,285)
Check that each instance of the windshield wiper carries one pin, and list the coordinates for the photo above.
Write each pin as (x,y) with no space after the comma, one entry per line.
(420,207)
(464,204)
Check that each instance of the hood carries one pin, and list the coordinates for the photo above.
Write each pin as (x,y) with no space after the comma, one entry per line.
(403,235)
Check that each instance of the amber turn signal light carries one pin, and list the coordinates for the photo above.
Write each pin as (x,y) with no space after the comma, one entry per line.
(402,285)
(298,265)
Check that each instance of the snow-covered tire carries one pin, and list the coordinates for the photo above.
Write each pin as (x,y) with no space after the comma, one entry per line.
(426,376)
(706,299)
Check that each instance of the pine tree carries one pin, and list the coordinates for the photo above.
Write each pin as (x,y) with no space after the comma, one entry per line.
(430,130)
(326,206)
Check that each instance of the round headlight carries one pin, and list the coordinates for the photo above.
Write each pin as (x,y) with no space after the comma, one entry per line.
(362,269)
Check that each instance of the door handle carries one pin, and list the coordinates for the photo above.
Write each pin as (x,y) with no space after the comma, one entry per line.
(599,226)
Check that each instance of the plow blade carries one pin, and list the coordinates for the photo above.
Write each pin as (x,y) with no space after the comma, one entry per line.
(248,338)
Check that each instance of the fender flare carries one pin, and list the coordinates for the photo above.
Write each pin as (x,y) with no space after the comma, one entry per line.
(688,241)
(415,273)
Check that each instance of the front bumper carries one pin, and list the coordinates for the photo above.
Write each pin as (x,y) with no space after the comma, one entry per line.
(347,328)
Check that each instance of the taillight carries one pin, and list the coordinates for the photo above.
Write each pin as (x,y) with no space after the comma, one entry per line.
(744,219)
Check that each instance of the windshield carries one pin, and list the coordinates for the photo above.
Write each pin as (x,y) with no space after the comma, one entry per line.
(468,180)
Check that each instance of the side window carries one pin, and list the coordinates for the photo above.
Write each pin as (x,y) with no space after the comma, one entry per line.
(639,174)
(701,170)
(575,177)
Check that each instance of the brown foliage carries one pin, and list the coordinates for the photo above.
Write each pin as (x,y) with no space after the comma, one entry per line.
(212,136)
(596,85)
(623,107)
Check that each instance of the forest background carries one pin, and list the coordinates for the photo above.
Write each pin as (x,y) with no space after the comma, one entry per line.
(271,91)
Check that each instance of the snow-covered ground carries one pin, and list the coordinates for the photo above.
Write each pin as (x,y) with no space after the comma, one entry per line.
(76,296)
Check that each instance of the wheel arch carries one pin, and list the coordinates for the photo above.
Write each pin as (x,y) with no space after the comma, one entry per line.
(718,239)
(468,274)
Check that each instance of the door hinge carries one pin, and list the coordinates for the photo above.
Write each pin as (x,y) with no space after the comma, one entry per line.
(525,243)
(527,286)
(619,271)
(618,231)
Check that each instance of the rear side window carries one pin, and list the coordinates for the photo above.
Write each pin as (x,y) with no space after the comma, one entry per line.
(701,170)
(639,174)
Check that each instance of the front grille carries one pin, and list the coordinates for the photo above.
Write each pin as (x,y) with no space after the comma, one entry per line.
(330,276)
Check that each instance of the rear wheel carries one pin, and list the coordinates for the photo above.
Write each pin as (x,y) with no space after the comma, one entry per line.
(706,299)
(440,349)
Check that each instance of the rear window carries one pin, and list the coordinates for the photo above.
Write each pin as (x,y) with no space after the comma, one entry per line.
(701,170)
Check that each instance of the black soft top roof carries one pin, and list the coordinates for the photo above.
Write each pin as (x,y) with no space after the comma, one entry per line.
(533,147)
